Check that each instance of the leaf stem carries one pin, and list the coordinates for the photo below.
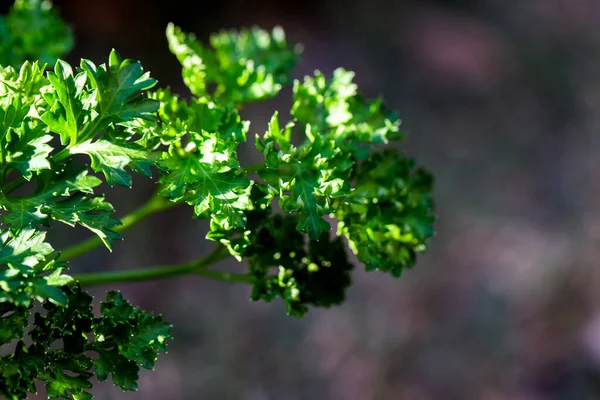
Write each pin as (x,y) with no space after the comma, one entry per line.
(155,204)
(61,155)
(197,267)
(12,186)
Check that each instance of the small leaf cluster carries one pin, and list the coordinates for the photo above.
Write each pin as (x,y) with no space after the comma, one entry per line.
(89,110)
(243,67)
(199,163)
(286,265)
(65,131)
(70,345)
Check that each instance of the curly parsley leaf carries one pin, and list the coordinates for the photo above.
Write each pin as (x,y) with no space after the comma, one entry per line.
(301,274)
(200,165)
(71,107)
(25,145)
(119,87)
(111,157)
(333,108)
(89,109)
(208,186)
(139,335)
(29,269)
(114,344)
(245,66)
(381,201)
(64,198)
(306,178)
(25,83)
(13,320)
(388,218)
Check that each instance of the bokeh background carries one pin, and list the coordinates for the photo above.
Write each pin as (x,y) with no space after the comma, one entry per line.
(501,100)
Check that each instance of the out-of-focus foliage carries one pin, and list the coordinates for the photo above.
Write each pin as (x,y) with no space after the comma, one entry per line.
(33,31)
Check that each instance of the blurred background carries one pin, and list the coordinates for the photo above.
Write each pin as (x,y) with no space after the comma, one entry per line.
(501,100)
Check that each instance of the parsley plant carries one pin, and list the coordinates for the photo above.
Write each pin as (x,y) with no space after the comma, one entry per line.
(328,162)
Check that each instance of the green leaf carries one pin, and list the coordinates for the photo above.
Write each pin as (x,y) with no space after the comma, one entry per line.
(179,119)
(118,88)
(321,166)
(246,66)
(71,106)
(12,322)
(69,323)
(112,344)
(136,337)
(12,114)
(24,250)
(205,180)
(63,198)
(23,143)
(94,214)
(28,152)
(25,259)
(25,83)
(192,56)
(67,386)
(125,373)
(18,371)
(111,157)
(45,288)
(84,104)
(322,103)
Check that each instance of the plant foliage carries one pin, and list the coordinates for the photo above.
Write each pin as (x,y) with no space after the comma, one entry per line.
(331,162)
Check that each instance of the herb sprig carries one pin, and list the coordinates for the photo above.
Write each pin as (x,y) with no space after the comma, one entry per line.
(331,163)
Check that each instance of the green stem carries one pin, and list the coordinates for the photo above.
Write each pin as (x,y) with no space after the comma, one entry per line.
(61,155)
(198,267)
(155,204)
(11,187)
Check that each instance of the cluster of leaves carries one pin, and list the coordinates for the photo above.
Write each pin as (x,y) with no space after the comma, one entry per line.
(199,164)
(321,167)
(387,218)
(244,66)
(114,345)
(285,266)
(47,116)
(45,119)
